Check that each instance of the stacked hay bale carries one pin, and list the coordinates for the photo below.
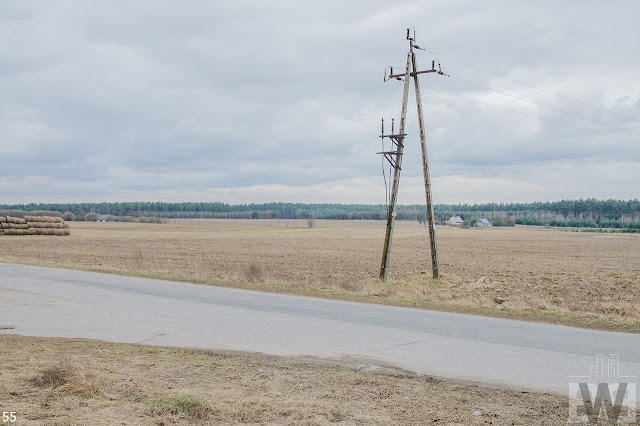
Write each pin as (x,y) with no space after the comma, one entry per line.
(33,225)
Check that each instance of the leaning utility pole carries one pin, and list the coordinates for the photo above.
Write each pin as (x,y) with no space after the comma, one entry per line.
(395,158)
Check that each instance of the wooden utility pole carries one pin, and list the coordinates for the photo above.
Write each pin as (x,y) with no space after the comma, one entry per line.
(395,159)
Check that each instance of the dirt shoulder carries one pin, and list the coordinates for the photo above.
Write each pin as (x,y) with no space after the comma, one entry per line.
(75,381)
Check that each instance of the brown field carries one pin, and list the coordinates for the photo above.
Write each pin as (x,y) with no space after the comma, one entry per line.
(584,279)
(81,382)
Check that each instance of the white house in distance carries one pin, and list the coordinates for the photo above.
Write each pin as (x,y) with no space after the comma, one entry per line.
(107,218)
(455,221)
(481,222)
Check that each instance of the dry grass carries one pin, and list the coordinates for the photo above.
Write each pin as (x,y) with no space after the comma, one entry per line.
(55,375)
(254,272)
(585,279)
(137,385)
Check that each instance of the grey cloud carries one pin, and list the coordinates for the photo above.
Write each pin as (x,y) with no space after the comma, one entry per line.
(133,99)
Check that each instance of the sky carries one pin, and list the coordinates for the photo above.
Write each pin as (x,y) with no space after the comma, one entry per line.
(269,101)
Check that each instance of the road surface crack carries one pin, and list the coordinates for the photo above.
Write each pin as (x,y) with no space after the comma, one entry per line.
(405,344)
(155,336)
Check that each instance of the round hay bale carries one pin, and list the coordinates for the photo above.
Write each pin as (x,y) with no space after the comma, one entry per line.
(65,225)
(40,218)
(58,231)
(67,231)
(21,221)
(31,231)
(4,225)
(27,218)
(3,219)
(58,219)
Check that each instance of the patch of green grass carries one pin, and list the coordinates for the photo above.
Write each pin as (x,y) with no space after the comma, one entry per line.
(188,406)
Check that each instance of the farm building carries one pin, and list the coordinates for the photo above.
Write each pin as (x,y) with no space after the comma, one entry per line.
(481,222)
(455,221)
(107,218)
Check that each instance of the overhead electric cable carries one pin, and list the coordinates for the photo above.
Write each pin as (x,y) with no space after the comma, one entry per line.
(530,115)
(529,85)
(545,106)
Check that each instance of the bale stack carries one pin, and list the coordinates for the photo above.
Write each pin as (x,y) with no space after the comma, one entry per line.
(33,225)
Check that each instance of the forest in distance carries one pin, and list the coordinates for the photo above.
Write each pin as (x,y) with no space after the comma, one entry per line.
(584,213)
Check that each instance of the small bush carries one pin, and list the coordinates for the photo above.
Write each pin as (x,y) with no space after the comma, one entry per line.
(128,219)
(55,375)
(468,223)
(503,221)
(255,272)
(311,223)
(68,216)
(91,217)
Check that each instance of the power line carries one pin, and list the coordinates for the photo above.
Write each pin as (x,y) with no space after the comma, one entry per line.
(545,106)
(531,86)
(530,115)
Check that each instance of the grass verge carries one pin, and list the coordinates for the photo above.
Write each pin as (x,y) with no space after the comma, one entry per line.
(135,384)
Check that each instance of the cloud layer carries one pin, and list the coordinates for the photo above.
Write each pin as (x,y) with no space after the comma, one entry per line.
(281,101)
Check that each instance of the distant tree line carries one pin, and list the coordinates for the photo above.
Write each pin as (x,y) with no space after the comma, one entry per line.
(589,213)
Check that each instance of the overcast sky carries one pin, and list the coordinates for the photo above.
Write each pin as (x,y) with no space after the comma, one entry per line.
(260,101)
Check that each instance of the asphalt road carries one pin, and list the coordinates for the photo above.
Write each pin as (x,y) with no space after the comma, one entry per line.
(529,356)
